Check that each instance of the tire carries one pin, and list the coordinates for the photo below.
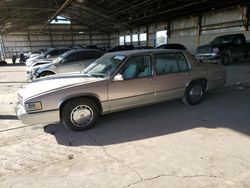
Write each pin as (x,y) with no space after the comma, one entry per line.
(79,114)
(47,73)
(224,59)
(194,93)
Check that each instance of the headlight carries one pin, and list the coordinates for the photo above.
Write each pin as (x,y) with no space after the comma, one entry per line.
(215,50)
(33,106)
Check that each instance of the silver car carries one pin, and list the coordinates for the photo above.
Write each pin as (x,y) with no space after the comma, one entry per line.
(117,81)
(70,61)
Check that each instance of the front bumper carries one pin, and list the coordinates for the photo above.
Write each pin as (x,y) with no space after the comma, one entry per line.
(208,57)
(34,118)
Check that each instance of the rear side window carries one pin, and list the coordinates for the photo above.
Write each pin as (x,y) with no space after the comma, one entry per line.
(166,64)
(170,63)
(92,55)
(183,64)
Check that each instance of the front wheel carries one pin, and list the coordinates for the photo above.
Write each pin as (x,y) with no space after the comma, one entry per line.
(194,93)
(79,114)
(225,59)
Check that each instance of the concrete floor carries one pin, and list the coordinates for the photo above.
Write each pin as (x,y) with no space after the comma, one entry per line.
(164,145)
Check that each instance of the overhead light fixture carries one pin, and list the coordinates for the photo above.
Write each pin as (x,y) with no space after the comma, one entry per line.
(80,32)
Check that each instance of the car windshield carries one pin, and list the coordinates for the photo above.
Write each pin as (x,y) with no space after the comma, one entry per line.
(105,66)
(223,39)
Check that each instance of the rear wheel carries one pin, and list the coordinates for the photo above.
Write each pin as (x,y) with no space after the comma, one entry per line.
(79,114)
(194,93)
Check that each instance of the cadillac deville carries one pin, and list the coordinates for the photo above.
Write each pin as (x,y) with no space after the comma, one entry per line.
(114,82)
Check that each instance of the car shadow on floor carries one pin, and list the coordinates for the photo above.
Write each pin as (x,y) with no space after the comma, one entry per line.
(227,107)
(12,65)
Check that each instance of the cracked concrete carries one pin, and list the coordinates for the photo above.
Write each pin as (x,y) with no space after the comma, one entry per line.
(115,158)
(165,145)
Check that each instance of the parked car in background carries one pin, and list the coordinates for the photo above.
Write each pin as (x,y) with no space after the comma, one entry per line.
(117,81)
(224,49)
(47,56)
(175,46)
(33,54)
(122,48)
(70,61)
(143,47)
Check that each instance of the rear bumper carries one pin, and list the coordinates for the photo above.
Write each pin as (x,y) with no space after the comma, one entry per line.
(44,117)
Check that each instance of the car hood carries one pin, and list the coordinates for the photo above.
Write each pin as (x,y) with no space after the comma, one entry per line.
(55,82)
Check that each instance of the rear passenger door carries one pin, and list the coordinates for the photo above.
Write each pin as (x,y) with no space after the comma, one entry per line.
(171,74)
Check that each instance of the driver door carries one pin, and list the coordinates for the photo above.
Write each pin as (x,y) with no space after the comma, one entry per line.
(136,87)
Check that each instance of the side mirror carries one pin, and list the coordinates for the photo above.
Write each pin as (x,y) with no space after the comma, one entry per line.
(48,56)
(118,78)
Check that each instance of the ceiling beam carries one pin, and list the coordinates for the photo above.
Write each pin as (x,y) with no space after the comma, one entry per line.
(64,5)
(170,10)
(27,8)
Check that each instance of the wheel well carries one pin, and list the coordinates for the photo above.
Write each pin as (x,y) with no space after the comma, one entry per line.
(47,71)
(203,82)
(92,98)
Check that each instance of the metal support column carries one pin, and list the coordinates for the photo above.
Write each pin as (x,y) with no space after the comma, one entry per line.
(2,49)
(147,31)
(28,36)
(198,31)
(51,38)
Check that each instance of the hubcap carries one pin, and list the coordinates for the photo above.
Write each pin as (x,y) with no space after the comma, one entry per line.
(196,93)
(81,115)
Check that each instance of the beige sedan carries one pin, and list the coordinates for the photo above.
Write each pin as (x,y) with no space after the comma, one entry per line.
(117,81)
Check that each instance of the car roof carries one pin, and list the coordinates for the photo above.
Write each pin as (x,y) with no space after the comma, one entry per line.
(134,52)
(84,50)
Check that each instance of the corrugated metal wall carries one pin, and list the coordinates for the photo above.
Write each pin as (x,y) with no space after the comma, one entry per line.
(185,30)
(54,36)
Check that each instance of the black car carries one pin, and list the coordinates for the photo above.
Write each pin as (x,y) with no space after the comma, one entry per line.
(224,49)
(175,46)
(122,48)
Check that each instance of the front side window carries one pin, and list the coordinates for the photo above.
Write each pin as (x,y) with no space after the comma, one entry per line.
(73,57)
(137,67)
(238,41)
